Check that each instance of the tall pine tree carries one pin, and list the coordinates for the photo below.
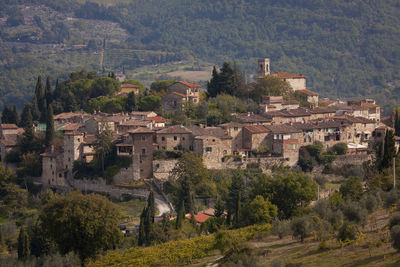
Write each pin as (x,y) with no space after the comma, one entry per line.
(397,123)
(48,91)
(35,112)
(181,216)
(24,114)
(142,233)
(23,245)
(50,133)
(151,206)
(389,150)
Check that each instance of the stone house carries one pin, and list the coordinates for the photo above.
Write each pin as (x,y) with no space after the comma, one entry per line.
(310,97)
(213,149)
(179,93)
(289,116)
(274,103)
(53,172)
(9,129)
(158,121)
(143,146)
(174,138)
(234,130)
(142,115)
(71,117)
(254,119)
(127,126)
(322,113)
(296,81)
(283,140)
(254,136)
(127,88)
(7,143)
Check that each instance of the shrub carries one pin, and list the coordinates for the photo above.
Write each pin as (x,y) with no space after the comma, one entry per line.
(348,231)
(335,218)
(370,202)
(281,228)
(339,149)
(351,188)
(301,227)
(395,236)
(354,212)
(394,220)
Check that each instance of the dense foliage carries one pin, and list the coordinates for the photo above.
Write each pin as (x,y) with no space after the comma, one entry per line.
(344,48)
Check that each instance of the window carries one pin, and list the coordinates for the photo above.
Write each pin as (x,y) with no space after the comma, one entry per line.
(163,147)
(235,128)
(143,138)
(163,138)
(326,138)
(208,149)
(69,159)
(60,175)
(143,151)
(52,172)
(79,139)
(225,152)
(294,146)
(305,140)
(175,137)
(183,138)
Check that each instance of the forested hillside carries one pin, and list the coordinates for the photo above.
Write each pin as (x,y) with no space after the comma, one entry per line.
(345,48)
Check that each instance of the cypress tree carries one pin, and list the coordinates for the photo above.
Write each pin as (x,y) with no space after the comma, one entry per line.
(131,102)
(15,115)
(48,91)
(151,206)
(389,150)
(57,91)
(50,133)
(24,114)
(43,111)
(35,109)
(213,86)
(23,245)
(218,208)
(397,123)
(5,114)
(29,135)
(239,82)
(181,216)
(147,226)
(142,233)
(39,93)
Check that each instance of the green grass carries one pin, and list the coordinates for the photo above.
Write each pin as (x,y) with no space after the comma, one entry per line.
(130,210)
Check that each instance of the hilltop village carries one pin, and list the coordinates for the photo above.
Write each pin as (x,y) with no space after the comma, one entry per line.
(271,137)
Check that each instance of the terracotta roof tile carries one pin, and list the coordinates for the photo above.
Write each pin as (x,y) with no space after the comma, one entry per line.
(255,129)
(9,126)
(190,84)
(287,75)
(307,92)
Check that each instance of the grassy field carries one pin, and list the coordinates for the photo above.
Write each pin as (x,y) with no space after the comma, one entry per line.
(373,248)
(131,210)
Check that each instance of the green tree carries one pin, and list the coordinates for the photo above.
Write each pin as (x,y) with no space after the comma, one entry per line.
(131,102)
(142,231)
(219,208)
(389,150)
(395,237)
(288,191)
(397,123)
(151,206)
(104,87)
(23,245)
(85,224)
(48,91)
(9,115)
(348,232)
(261,210)
(161,85)
(149,103)
(103,143)
(221,82)
(50,132)
(189,178)
(180,218)
(351,188)
(271,86)
(301,227)
(236,198)
(35,108)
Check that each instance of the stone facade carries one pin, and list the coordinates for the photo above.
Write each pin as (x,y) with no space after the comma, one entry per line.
(142,140)
(212,149)
(162,168)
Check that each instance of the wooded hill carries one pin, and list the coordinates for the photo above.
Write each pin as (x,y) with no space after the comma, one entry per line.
(345,48)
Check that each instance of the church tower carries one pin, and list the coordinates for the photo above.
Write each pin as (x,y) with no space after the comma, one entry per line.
(263,67)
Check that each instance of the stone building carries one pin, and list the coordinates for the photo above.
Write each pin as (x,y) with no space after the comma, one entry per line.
(234,130)
(296,81)
(310,97)
(53,172)
(174,138)
(179,93)
(143,142)
(213,149)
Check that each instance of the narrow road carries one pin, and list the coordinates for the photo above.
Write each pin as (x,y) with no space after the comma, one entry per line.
(162,207)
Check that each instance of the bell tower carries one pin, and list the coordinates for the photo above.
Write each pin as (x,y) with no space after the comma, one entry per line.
(263,67)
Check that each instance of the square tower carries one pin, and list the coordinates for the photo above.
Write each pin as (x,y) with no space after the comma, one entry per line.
(263,67)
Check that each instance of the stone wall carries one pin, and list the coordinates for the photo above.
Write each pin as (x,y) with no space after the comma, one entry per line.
(266,164)
(162,168)
(350,159)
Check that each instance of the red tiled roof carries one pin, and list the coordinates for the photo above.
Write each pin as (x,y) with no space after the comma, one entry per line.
(200,218)
(9,126)
(307,92)
(156,119)
(189,84)
(256,129)
(287,75)
(128,85)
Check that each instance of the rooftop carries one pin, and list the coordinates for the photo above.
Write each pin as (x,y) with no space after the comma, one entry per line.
(176,129)
(9,126)
(189,84)
(286,75)
(307,92)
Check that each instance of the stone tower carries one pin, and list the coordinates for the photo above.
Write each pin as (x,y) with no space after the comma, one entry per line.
(72,146)
(263,67)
